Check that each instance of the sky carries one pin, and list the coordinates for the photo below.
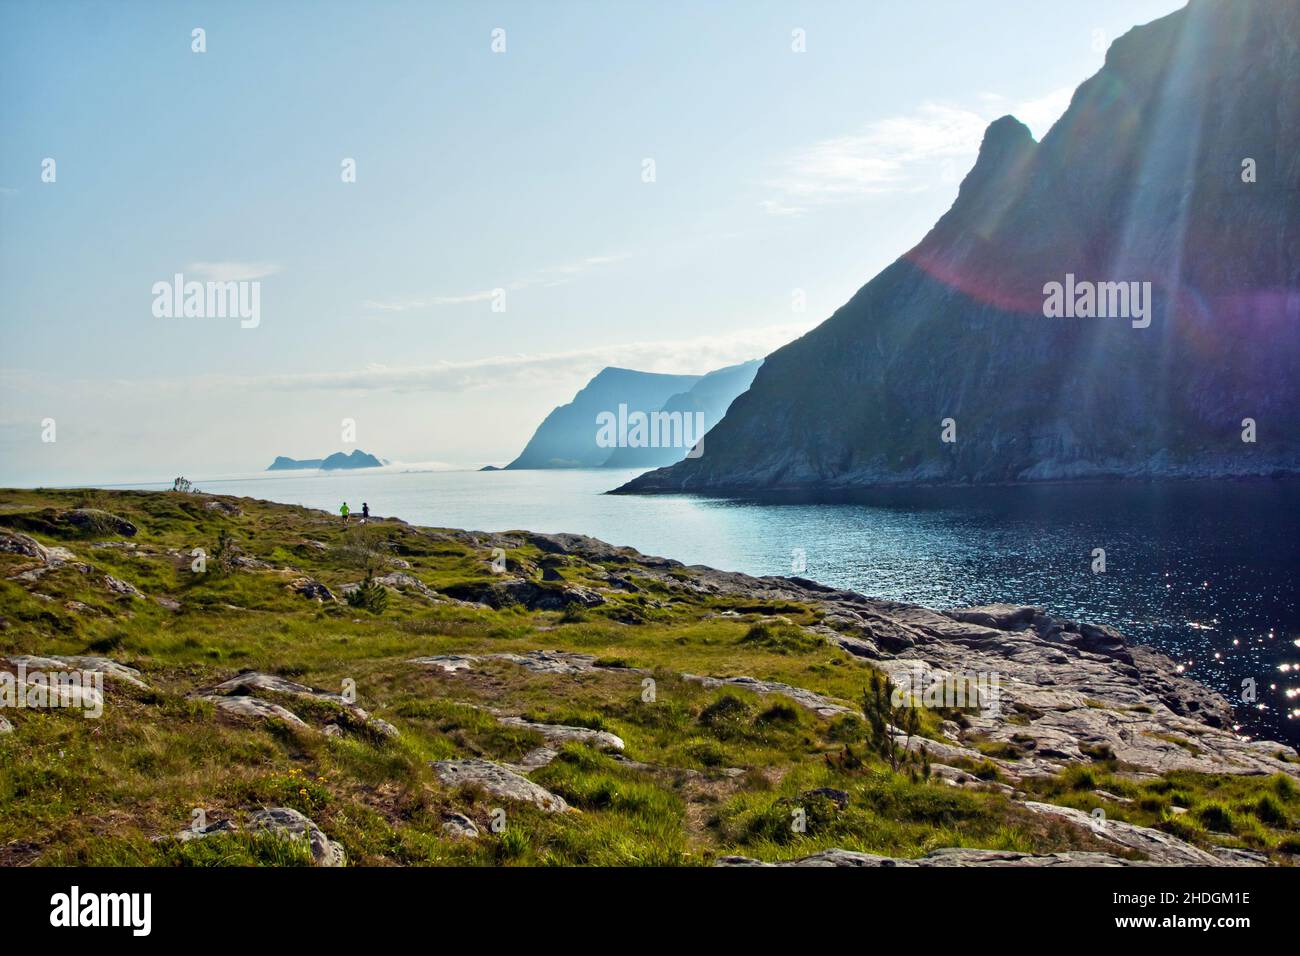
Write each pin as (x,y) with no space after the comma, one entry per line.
(540,190)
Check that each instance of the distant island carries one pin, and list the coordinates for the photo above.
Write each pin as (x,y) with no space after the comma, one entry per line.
(358,459)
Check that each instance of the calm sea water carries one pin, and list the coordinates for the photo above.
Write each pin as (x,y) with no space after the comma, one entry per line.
(1207,573)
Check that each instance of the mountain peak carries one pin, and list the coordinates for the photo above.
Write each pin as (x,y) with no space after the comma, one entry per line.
(1006,132)
(1007,141)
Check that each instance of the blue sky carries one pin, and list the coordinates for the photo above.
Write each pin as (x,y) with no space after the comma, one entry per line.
(775,171)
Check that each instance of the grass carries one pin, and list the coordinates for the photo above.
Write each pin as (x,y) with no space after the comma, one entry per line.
(707,772)
(1256,813)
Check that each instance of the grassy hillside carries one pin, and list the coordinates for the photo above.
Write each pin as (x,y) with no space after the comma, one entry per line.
(705,772)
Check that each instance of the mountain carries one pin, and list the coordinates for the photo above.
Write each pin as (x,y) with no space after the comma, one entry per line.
(1178,165)
(710,397)
(567,436)
(358,459)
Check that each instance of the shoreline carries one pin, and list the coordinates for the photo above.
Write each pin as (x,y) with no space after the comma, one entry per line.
(478,637)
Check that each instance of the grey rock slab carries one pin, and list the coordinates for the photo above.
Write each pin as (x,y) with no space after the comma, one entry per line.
(540,662)
(282,821)
(81,662)
(457,826)
(562,734)
(811,700)
(286,821)
(449,663)
(15,542)
(253,708)
(255,680)
(124,588)
(947,857)
(535,759)
(498,781)
(1158,847)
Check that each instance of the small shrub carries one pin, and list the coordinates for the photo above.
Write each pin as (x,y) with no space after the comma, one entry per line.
(1268,810)
(707,752)
(370,596)
(108,644)
(846,727)
(779,713)
(1217,817)
(574,614)
(512,844)
(782,638)
(1284,787)
(1182,828)
(726,715)
(885,722)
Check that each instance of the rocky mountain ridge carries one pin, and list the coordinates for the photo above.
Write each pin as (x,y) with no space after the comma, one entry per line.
(1176,168)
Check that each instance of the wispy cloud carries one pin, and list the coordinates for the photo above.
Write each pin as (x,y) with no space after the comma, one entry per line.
(547,278)
(233,271)
(898,154)
(681,356)
(407,305)
(693,355)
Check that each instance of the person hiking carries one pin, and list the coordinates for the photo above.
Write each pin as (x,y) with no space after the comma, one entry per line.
(365,512)
(344,510)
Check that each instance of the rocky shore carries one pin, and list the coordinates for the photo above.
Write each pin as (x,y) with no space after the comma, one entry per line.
(615,706)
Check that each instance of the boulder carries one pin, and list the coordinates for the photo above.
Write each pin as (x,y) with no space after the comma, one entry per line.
(80,662)
(121,587)
(561,734)
(312,589)
(286,821)
(15,542)
(246,683)
(1156,846)
(95,521)
(457,826)
(253,708)
(498,781)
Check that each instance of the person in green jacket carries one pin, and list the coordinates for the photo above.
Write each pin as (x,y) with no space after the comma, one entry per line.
(345,511)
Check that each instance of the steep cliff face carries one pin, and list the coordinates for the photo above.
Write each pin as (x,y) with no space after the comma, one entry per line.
(1143,180)
(707,400)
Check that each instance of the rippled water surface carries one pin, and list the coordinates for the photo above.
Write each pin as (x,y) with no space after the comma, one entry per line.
(1204,572)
